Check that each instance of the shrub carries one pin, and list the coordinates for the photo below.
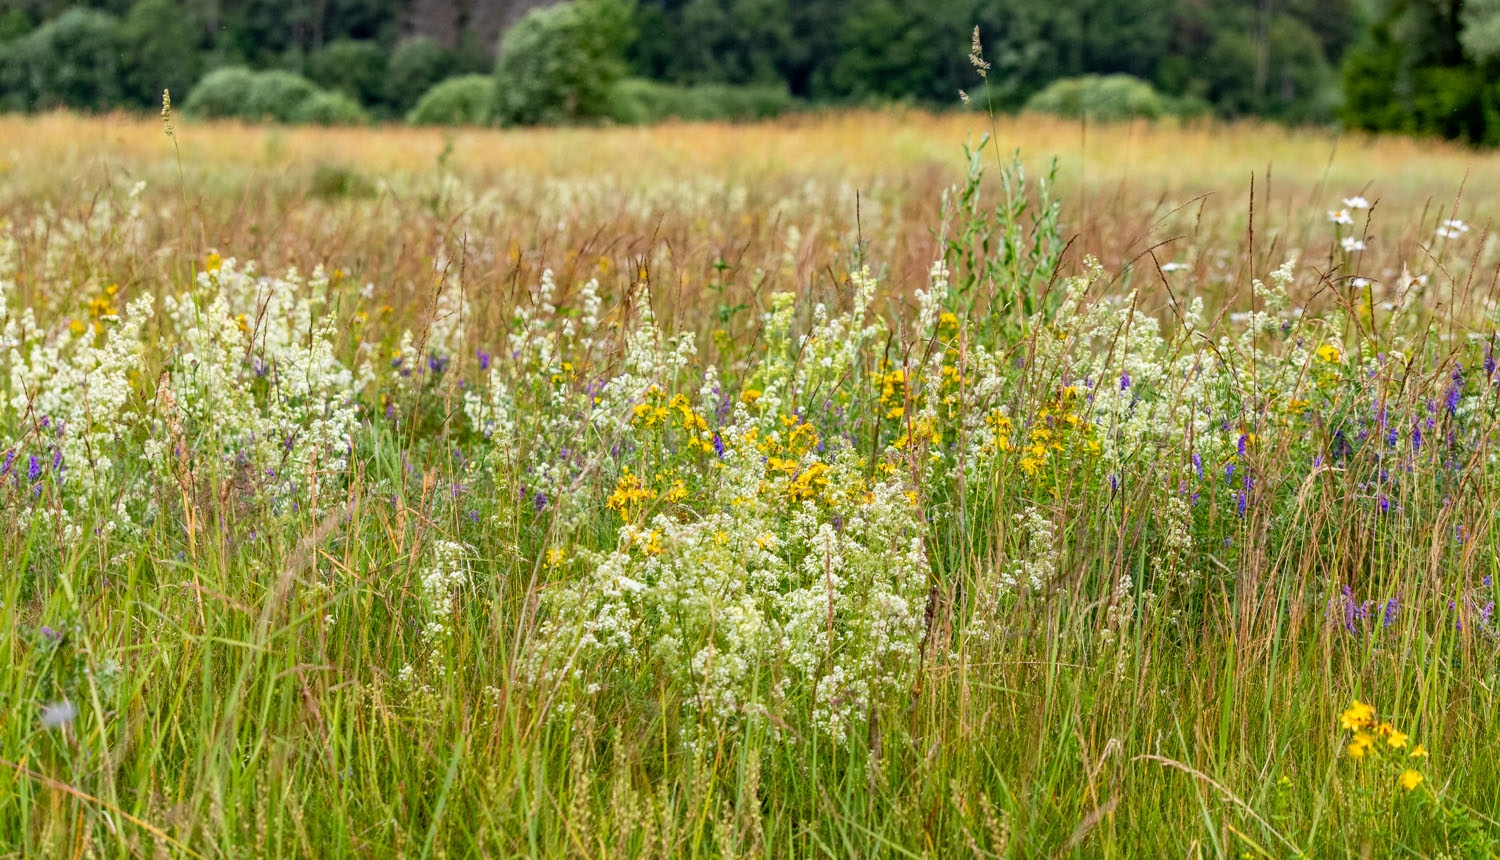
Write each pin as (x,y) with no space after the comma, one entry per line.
(222,93)
(277,95)
(357,69)
(1109,98)
(329,108)
(239,93)
(636,101)
(464,100)
(417,65)
(561,63)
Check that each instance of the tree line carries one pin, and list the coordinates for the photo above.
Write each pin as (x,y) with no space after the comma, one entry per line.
(1420,66)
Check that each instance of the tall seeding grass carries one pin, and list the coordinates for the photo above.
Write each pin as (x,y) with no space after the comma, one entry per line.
(735,513)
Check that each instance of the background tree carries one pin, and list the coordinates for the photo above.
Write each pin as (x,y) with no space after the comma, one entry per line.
(162,50)
(560,63)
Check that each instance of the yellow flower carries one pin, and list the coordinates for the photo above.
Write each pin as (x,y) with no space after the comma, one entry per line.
(1358,716)
(213,263)
(1329,353)
(1418,751)
(750,395)
(76,326)
(1397,739)
(1360,745)
(1410,780)
(555,556)
(896,412)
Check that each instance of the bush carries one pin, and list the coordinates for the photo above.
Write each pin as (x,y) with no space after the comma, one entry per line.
(637,101)
(1109,98)
(417,65)
(561,63)
(72,61)
(237,92)
(221,94)
(329,108)
(464,100)
(277,95)
(357,69)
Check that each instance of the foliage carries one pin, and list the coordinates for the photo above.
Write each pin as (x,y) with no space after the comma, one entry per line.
(329,108)
(1428,67)
(222,93)
(71,61)
(279,96)
(161,50)
(1105,99)
(464,100)
(560,63)
(417,65)
(355,68)
(636,100)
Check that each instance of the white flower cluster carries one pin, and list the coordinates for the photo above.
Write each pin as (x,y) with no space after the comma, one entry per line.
(255,382)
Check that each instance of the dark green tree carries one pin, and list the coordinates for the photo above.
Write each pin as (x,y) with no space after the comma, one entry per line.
(354,68)
(416,65)
(161,51)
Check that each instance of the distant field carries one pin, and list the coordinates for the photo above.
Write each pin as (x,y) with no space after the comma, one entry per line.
(782,490)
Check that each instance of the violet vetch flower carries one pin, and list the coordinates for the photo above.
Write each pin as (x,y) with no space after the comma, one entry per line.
(484,360)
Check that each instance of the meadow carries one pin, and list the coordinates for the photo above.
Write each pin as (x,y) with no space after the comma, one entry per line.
(859,485)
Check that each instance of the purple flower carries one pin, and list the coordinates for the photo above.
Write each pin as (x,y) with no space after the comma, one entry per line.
(1240,505)
(10,459)
(1455,391)
(1114,484)
(1416,439)
(57,460)
(1124,380)
(51,635)
(539,501)
(34,469)
(719,445)
(1392,609)
(1198,465)
(1241,445)
(437,363)
(1385,504)
(484,360)
(1228,471)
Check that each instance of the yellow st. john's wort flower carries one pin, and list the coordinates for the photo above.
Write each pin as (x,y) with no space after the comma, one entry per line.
(1357,716)
(1410,779)
(1360,745)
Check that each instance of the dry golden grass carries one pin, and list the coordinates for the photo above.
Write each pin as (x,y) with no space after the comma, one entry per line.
(676,199)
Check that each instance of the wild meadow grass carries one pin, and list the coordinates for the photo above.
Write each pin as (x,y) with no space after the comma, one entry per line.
(803,489)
